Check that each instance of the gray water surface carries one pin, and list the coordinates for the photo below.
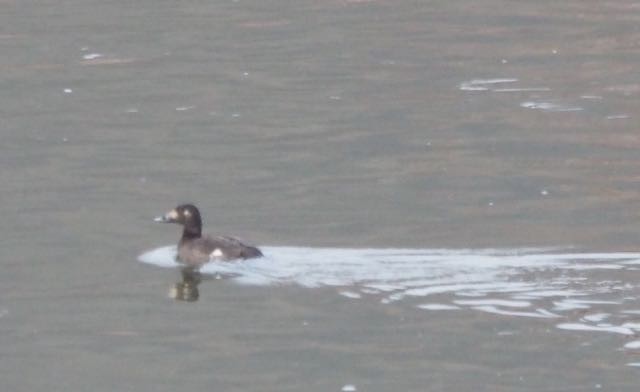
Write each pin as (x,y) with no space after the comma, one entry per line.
(339,124)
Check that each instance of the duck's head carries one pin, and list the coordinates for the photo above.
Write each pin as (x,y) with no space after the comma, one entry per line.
(186,215)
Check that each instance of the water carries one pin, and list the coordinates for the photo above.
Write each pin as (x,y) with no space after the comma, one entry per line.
(442,128)
(535,283)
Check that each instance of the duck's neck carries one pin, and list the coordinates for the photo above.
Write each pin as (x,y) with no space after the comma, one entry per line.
(190,233)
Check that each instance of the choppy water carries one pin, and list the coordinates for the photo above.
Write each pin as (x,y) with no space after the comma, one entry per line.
(582,291)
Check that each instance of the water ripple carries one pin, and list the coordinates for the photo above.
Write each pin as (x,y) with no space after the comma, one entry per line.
(583,291)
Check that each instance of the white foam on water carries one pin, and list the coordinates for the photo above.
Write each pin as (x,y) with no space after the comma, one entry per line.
(494,85)
(350,294)
(422,272)
(530,295)
(597,317)
(633,345)
(161,257)
(595,302)
(520,90)
(543,283)
(565,305)
(483,84)
(618,117)
(587,327)
(494,302)
(537,313)
(92,56)
(437,307)
(594,266)
(550,106)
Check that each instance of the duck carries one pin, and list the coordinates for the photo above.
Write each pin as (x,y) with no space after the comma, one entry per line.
(195,249)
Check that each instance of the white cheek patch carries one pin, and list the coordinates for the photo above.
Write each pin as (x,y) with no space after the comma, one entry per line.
(187,213)
(173,214)
(216,253)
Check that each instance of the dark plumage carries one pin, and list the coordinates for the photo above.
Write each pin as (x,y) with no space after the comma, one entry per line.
(195,249)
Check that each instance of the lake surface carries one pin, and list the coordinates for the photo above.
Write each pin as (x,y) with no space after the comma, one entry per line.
(447,193)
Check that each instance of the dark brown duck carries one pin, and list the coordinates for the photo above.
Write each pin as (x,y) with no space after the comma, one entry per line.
(195,249)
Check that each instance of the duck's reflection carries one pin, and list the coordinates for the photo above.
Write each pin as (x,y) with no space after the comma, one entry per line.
(187,289)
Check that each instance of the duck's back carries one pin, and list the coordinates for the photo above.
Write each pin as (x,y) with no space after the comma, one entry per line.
(201,250)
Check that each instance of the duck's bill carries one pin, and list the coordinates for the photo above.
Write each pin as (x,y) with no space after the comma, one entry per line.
(169,217)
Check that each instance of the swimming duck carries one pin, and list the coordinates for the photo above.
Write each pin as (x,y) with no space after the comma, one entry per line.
(194,249)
